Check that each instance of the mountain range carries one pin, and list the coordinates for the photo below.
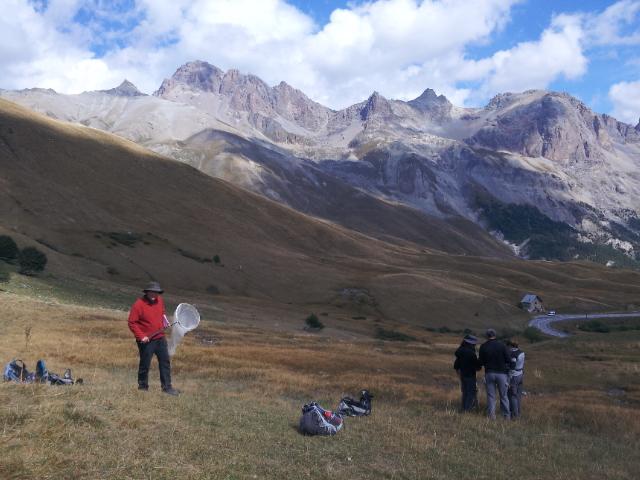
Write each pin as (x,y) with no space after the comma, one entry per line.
(537,171)
(106,210)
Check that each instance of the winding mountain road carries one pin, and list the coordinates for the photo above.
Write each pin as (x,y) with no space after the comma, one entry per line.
(543,322)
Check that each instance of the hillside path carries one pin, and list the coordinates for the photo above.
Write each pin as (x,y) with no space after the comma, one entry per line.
(543,322)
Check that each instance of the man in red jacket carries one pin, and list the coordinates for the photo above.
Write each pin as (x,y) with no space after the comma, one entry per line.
(147,321)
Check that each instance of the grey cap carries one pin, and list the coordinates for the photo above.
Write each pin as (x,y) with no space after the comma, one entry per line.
(470,339)
(153,287)
(491,333)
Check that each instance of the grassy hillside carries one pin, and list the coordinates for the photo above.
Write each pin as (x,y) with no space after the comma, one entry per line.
(243,388)
(106,211)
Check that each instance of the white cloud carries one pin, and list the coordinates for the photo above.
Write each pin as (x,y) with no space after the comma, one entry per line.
(625,97)
(397,47)
(617,25)
(530,65)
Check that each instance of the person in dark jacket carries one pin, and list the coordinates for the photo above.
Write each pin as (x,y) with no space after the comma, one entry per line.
(496,359)
(466,365)
(147,321)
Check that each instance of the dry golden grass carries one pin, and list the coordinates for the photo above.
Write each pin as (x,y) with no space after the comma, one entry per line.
(241,398)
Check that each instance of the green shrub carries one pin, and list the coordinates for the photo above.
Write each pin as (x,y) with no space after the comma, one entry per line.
(128,239)
(193,256)
(594,326)
(383,334)
(506,333)
(216,259)
(313,322)
(533,335)
(8,249)
(31,261)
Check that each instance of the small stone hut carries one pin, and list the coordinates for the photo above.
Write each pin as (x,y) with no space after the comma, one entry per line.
(532,303)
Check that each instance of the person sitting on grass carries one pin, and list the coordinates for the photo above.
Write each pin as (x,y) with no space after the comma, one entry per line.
(466,365)
(495,359)
(147,321)
(516,377)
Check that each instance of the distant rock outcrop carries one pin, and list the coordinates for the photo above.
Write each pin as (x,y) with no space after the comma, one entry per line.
(436,106)
(125,89)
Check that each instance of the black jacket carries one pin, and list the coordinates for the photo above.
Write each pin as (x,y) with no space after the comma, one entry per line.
(494,356)
(466,361)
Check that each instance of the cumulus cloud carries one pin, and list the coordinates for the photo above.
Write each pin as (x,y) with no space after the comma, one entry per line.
(397,47)
(617,25)
(529,65)
(625,97)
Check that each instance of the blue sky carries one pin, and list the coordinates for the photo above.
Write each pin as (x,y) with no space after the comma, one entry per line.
(336,51)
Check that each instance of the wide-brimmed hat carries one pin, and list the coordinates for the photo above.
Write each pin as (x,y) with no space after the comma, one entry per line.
(153,287)
(470,339)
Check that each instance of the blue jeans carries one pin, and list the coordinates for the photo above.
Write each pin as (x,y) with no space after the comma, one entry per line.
(499,381)
(515,395)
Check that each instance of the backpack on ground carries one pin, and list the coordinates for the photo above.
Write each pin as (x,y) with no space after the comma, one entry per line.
(16,371)
(351,408)
(65,379)
(315,420)
(42,374)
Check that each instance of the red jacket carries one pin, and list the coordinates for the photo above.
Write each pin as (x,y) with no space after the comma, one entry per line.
(146,318)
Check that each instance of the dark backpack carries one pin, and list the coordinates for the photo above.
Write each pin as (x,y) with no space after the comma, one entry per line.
(351,408)
(315,420)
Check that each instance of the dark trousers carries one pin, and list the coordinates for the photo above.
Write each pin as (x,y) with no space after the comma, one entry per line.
(158,348)
(515,395)
(469,393)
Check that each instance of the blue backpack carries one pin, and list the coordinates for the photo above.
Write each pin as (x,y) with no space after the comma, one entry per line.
(16,371)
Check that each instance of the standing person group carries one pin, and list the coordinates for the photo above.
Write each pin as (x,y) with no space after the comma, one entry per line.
(503,371)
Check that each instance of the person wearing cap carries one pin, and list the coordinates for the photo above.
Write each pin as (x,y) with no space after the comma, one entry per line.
(466,365)
(495,359)
(516,377)
(147,321)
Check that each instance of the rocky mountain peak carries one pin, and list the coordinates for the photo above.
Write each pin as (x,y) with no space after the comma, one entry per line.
(125,89)
(437,106)
(376,104)
(552,125)
(197,75)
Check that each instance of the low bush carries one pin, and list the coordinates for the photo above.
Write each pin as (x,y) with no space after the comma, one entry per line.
(31,261)
(193,256)
(594,326)
(383,334)
(533,335)
(313,322)
(8,249)
(128,239)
